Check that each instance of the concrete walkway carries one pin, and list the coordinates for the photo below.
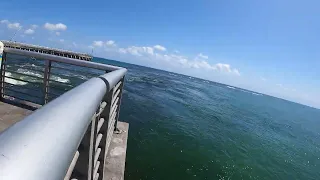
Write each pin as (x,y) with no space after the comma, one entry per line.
(10,114)
(116,158)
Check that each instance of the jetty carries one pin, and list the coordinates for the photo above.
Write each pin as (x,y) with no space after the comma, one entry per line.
(47,50)
(54,129)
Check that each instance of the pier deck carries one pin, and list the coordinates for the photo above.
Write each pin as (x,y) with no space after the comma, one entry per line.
(10,114)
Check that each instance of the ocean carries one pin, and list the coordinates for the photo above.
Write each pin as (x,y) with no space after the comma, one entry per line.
(184,128)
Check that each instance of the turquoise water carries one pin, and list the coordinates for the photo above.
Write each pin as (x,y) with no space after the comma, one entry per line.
(187,128)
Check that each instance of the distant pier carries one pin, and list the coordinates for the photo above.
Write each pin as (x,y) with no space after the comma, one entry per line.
(47,50)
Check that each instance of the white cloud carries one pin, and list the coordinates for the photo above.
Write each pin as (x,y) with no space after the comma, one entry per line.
(74,44)
(55,27)
(122,50)
(110,43)
(176,51)
(177,60)
(97,43)
(159,47)
(280,85)
(263,79)
(236,72)
(4,21)
(106,44)
(61,40)
(29,31)
(58,33)
(223,67)
(202,56)
(34,26)
(15,26)
(140,51)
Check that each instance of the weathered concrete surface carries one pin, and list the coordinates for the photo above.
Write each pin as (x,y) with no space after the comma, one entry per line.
(10,114)
(116,157)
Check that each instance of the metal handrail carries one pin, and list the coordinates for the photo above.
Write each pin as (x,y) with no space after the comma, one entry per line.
(43,145)
(49,65)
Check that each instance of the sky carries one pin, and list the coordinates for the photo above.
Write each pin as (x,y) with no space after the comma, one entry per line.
(271,47)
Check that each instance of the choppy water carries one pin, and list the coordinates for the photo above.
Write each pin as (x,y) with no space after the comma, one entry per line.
(187,128)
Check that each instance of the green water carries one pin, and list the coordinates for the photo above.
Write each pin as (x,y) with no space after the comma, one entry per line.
(187,128)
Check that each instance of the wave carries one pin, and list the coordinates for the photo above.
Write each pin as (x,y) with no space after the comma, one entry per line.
(28,72)
(13,81)
(257,94)
(231,87)
(32,73)
(57,78)
(35,74)
(82,77)
(254,93)
(171,74)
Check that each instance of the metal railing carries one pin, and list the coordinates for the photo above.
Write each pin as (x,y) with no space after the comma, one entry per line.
(69,137)
(44,77)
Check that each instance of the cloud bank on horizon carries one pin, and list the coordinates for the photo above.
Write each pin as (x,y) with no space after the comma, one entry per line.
(160,57)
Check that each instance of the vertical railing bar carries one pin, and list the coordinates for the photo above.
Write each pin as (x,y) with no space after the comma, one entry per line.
(117,86)
(100,123)
(104,130)
(3,70)
(92,145)
(113,110)
(46,78)
(96,168)
(119,103)
(97,176)
(72,165)
(98,141)
(96,156)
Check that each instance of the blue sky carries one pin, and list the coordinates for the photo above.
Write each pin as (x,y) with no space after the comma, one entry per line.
(267,46)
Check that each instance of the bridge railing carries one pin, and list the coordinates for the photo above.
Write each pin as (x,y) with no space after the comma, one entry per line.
(67,138)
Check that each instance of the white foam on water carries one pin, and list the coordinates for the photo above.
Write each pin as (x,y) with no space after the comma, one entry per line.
(36,74)
(82,77)
(253,93)
(231,87)
(57,78)
(28,72)
(257,94)
(13,81)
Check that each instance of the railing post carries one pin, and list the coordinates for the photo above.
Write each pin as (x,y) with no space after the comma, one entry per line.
(83,167)
(46,77)
(102,132)
(119,103)
(3,72)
